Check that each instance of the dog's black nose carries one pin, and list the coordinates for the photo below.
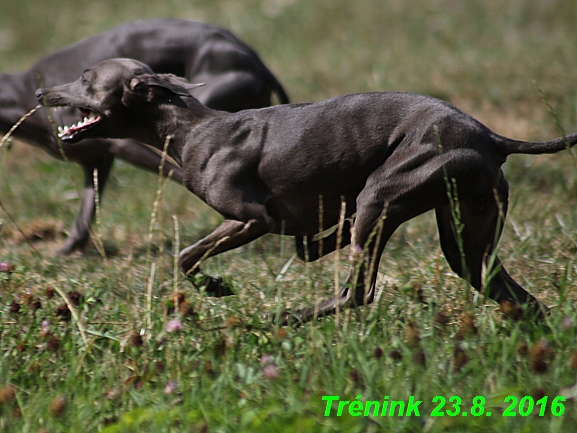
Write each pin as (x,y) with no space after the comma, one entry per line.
(39,95)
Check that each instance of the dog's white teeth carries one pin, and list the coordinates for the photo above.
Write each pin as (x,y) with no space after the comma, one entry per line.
(86,120)
(62,131)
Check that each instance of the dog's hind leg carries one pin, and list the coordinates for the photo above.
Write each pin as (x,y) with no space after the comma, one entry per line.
(471,253)
(374,230)
(310,249)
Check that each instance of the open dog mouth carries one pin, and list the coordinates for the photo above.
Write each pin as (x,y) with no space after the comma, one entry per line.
(89,119)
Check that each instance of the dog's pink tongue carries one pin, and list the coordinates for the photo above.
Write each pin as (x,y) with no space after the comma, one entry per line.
(68,131)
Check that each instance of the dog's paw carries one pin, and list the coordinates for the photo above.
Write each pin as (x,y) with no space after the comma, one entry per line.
(71,245)
(216,287)
(532,311)
(285,318)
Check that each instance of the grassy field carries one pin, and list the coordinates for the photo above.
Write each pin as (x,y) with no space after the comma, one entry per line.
(91,342)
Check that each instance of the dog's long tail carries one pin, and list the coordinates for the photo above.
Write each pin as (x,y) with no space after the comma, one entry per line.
(281,94)
(275,86)
(509,146)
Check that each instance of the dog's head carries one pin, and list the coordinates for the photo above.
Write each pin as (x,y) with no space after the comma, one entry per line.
(111,98)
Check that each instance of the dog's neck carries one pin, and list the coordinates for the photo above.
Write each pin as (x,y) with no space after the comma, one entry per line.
(171,123)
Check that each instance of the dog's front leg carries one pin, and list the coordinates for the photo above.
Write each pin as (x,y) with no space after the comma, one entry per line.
(80,234)
(229,235)
(356,291)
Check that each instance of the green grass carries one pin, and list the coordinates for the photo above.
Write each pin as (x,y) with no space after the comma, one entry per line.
(113,367)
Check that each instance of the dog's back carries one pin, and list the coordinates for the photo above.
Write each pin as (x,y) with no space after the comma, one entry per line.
(166,45)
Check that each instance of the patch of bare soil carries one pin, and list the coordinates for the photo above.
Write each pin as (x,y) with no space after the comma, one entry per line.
(38,231)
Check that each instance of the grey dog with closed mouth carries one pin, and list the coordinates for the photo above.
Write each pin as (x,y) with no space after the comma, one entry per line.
(388,156)
(234,75)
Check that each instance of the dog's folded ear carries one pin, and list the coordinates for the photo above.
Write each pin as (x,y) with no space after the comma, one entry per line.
(173,80)
(143,88)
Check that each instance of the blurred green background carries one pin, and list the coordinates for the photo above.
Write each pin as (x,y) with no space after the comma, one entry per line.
(483,52)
